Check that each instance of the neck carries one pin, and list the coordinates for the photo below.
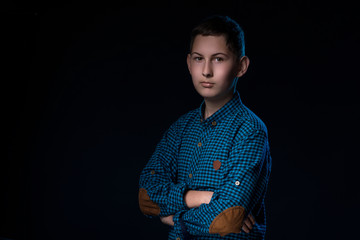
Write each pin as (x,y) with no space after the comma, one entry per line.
(212,105)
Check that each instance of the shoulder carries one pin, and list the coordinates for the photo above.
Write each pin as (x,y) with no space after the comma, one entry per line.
(189,116)
(249,124)
(183,121)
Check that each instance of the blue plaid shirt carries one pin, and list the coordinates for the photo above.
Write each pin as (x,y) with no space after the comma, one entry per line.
(228,153)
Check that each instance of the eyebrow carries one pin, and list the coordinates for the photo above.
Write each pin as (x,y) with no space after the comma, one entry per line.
(219,53)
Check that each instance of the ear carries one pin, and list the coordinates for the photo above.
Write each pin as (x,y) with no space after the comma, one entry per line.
(243,66)
(188,62)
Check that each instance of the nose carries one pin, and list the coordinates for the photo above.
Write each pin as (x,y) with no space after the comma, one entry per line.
(207,70)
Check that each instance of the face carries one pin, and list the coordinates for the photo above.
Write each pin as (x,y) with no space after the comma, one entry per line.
(213,67)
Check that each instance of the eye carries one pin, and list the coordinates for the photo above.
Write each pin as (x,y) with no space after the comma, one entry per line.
(197,59)
(219,59)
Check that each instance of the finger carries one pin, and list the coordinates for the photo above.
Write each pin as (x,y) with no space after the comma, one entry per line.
(252,218)
(248,223)
(164,219)
(245,228)
(165,222)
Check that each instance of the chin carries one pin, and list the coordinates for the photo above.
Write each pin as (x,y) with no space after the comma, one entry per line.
(212,93)
(205,93)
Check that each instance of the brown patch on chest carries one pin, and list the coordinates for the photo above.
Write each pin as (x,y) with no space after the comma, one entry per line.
(216,164)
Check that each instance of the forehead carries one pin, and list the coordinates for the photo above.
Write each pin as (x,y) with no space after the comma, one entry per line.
(210,45)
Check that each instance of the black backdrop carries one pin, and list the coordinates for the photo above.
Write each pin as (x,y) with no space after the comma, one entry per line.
(88,92)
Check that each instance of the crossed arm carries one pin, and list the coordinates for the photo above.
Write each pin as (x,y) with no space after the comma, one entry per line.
(201,212)
(194,199)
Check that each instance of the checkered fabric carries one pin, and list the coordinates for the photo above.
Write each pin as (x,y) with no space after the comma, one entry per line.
(228,153)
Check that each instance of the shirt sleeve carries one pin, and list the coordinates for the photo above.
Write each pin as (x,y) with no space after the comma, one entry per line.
(245,185)
(159,194)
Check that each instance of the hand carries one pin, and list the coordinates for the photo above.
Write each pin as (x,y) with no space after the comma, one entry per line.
(194,198)
(168,220)
(248,223)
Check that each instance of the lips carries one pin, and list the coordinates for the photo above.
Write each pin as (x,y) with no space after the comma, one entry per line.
(207,84)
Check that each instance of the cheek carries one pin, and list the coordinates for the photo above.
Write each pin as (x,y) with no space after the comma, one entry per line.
(225,73)
(195,70)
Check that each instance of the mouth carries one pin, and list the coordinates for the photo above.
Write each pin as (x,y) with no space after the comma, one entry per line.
(207,84)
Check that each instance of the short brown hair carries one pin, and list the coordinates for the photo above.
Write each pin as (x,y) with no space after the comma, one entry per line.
(222,26)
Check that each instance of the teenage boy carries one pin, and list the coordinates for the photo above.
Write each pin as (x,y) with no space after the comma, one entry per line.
(208,176)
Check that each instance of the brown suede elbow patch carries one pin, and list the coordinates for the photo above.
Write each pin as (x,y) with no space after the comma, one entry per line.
(147,206)
(228,221)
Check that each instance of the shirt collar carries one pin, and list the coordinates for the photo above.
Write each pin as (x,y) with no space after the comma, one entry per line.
(229,107)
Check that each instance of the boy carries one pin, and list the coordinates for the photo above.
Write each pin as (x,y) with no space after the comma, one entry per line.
(208,175)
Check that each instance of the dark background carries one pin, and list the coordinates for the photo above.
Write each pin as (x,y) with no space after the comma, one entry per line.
(87,92)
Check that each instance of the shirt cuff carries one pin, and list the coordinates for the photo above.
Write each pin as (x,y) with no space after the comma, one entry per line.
(214,196)
(180,228)
(176,197)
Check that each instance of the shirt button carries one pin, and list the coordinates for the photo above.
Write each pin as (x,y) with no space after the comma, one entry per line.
(190,175)
(213,123)
(199,144)
(237,183)
(152,172)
